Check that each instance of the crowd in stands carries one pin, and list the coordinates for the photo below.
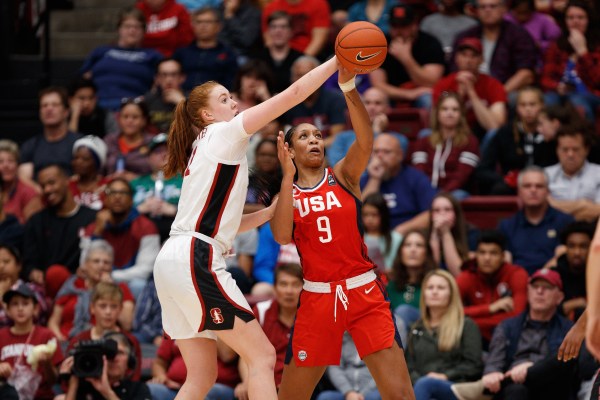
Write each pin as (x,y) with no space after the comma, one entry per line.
(512,90)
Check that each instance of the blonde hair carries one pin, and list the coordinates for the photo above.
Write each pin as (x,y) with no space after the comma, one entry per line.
(462,129)
(451,325)
(10,147)
(185,126)
(106,291)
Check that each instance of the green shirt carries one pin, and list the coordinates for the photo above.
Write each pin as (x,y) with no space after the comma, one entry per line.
(409,295)
(144,187)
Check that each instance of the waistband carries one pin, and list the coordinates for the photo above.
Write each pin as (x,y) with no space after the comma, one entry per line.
(350,283)
(213,242)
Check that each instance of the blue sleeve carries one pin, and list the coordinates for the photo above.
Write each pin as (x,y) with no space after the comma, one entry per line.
(265,259)
(424,191)
(91,60)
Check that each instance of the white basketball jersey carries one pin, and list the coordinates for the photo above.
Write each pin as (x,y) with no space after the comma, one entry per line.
(215,183)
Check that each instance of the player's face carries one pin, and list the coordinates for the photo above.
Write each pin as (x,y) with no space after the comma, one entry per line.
(52,110)
(287,290)
(441,207)
(576,18)
(547,127)
(529,106)
(449,113)
(375,102)
(221,105)
(106,312)
(54,185)
(436,292)
(572,153)
(83,163)
(98,264)
(9,267)
(543,296)
(371,218)
(118,198)
(468,60)
(266,158)
(8,166)
(131,120)
(307,146)
(414,251)
(489,257)
(21,309)
(533,190)
(578,247)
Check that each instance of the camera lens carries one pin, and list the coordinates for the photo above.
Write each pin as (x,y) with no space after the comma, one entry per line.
(88,363)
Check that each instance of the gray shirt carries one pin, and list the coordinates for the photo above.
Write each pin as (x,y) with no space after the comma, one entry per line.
(445,28)
(585,184)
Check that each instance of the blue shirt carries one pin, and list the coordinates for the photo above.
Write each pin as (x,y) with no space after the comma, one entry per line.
(340,145)
(407,194)
(200,65)
(533,245)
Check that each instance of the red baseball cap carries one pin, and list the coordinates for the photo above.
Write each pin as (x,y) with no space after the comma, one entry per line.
(472,43)
(549,275)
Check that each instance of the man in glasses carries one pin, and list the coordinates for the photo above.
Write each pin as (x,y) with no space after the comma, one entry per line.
(165,94)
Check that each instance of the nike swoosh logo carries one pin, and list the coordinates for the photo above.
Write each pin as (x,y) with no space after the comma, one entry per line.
(367,291)
(361,58)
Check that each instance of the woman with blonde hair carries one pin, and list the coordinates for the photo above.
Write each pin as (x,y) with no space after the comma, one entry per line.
(444,346)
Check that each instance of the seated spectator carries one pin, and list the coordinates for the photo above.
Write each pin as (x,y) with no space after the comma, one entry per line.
(206,58)
(106,301)
(447,233)
(491,289)
(532,233)
(165,94)
(87,183)
(375,12)
(123,70)
(450,154)
(168,371)
(253,84)
(70,313)
(133,237)
(168,25)
(116,381)
(310,21)
(574,182)
(542,28)
(241,266)
(11,230)
(444,346)
(407,191)
(127,148)
(147,320)
(445,24)
(10,270)
(86,115)
(577,238)
(522,361)
(549,121)
(571,70)
(414,63)
(20,199)
(509,52)
(153,195)
(515,146)
(241,27)
(52,235)
(378,232)
(413,262)
(484,97)
(265,178)
(55,144)
(16,345)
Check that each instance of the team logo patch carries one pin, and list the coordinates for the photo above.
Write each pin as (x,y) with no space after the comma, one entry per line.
(217,317)
(330,180)
(302,355)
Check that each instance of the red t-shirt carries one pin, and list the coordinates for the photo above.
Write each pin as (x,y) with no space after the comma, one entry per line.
(12,346)
(93,200)
(18,199)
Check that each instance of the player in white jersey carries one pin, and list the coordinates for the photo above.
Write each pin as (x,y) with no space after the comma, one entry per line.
(199,298)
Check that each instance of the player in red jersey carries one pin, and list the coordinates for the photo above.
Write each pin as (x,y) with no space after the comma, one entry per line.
(319,208)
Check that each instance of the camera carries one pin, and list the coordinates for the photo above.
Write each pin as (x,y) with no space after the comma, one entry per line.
(88,357)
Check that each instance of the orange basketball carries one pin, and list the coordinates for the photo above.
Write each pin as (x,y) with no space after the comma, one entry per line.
(361,47)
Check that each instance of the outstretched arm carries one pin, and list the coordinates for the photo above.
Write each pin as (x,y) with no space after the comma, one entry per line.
(592,336)
(282,224)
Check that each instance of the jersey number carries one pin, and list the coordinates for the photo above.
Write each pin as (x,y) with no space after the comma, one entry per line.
(323,226)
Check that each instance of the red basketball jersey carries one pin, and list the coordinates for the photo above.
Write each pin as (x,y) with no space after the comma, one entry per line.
(328,231)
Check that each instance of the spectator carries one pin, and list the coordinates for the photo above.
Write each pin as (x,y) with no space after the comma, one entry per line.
(574,182)
(241,266)
(70,313)
(241,27)
(165,94)
(407,191)
(377,104)
(127,149)
(549,121)
(483,96)
(414,63)
(492,290)
(153,195)
(168,371)
(10,269)
(86,115)
(324,108)
(577,238)
(87,183)
(451,153)
(413,262)
(133,237)
(522,361)
(509,52)
(377,231)
(265,178)
(168,25)
(206,58)
(445,24)
(147,320)
(443,346)
(542,28)
(375,12)
(52,235)
(515,146)
(253,84)
(16,345)
(19,198)
(532,233)
(11,230)
(447,233)
(571,69)
(310,23)
(55,144)
(124,70)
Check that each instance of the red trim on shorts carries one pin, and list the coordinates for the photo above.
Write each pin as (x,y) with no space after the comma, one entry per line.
(223,292)
(196,288)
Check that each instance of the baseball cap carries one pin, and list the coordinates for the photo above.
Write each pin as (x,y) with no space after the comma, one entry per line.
(157,140)
(402,15)
(21,290)
(470,43)
(549,275)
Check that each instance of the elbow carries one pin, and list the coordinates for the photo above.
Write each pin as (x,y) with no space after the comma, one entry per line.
(282,239)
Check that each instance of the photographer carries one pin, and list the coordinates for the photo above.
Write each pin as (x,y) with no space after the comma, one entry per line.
(114,381)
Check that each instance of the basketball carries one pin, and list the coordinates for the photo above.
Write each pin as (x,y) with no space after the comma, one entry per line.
(361,47)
